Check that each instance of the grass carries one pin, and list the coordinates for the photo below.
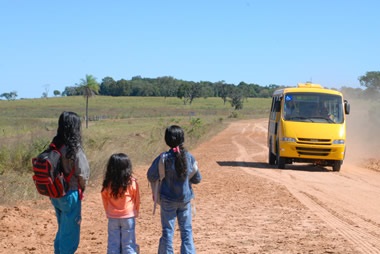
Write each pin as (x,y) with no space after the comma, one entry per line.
(133,125)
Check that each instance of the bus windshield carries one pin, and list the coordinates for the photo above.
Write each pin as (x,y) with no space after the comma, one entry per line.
(313,107)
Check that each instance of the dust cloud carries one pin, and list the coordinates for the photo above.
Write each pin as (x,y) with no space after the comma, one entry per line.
(363,140)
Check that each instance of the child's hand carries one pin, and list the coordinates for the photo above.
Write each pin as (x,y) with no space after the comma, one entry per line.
(81,195)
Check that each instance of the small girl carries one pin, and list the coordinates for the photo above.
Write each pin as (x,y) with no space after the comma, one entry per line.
(121,201)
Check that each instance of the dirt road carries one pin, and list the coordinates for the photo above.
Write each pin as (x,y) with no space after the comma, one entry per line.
(242,205)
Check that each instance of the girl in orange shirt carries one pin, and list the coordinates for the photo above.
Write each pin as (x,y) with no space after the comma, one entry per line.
(121,201)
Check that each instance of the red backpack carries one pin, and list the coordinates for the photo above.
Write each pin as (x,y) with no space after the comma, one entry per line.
(48,173)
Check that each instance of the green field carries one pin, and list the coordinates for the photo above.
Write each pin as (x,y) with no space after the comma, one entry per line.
(133,125)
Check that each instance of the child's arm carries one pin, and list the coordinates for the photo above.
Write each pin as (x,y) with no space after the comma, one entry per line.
(82,169)
(152,173)
(104,195)
(196,178)
(137,199)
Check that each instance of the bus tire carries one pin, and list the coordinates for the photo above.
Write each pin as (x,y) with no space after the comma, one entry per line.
(271,157)
(280,161)
(337,165)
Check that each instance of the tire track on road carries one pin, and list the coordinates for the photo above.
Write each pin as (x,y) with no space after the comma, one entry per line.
(364,241)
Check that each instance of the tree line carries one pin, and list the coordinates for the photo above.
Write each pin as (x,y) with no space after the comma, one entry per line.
(189,90)
(170,87)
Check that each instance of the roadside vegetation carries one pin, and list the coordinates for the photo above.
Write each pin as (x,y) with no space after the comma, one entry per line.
(133,125)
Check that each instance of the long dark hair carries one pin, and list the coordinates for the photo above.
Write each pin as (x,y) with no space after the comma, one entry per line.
(118,174)
(174,138)
(69,133)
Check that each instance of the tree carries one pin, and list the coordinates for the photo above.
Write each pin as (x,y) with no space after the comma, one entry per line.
(371,80)
(89,87)
(106,86)
(188,91)
(9,96)
(206,89)
(183,92)
(122,88)
(167,86)
(223,90)
(71,91)
(46,93)
(236,95)
(244,89)
(56,92)
(265,93)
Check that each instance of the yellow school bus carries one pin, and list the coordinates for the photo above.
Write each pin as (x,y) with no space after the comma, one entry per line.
(307,124)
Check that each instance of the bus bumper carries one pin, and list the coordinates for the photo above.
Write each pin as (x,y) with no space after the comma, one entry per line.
(299,152)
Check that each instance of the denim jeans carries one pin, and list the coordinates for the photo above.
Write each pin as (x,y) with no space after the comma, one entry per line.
(68,212)
(121,236)
(170,211)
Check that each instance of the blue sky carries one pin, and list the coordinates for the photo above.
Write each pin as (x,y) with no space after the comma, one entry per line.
(48,45)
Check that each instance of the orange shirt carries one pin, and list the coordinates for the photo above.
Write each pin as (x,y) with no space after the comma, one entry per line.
(125,207)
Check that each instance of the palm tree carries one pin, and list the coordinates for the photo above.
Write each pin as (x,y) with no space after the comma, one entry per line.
(89,87)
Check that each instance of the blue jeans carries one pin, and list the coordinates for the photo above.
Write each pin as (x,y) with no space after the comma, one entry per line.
(121,236)
(68,212)
(169,212)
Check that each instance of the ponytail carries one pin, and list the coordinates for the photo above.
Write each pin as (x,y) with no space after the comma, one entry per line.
(174,138)
(180,161)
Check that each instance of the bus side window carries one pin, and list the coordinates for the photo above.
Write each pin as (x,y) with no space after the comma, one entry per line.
(277,106)
(272,105)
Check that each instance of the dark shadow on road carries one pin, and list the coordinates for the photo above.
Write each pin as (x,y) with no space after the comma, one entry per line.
(243,164)
(300,167)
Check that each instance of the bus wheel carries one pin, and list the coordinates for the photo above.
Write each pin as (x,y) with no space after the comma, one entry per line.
(280,161)
(337,165)
(272,157)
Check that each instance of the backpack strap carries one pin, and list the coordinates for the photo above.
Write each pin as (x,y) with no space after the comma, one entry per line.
(68,178)
(52,146)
